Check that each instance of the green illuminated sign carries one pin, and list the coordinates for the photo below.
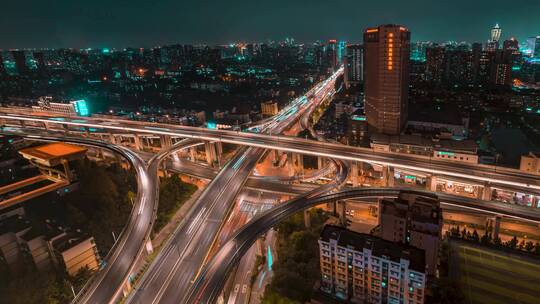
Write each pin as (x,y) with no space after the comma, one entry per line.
(446,153)
(359,118)
(81,108)
(211,125)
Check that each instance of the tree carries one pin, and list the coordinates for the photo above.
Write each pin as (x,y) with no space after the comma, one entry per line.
(173,192)
(486,238)
(447,292)
(512,243)
(529,246)
(475,236)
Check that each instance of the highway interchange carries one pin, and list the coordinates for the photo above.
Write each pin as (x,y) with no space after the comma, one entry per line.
(173,277)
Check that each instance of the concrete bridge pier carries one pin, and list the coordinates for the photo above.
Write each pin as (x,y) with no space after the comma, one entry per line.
(165,141)
(494,224)
(209,152)
(486,193)
(290,163)
(320,162)
(307,218)
(112,139)
(213,153)
(354,173)
(277,157)
(342,213)
(388,176)
(193,154)
(138,143)
(298,160)
(431,183)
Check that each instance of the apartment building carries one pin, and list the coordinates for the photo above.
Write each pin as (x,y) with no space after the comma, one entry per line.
(44,245)
(414,220)
(361,268)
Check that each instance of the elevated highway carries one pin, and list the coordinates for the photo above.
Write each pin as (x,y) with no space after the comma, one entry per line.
(210,282)
(492,175)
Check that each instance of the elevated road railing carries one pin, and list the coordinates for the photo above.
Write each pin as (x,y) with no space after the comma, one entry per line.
(479,172)
(209,284)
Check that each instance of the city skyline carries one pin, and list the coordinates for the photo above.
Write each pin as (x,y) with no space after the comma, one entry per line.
(123,25)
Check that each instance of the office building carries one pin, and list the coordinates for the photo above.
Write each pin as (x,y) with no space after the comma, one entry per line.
(415,220)
(2,67)
(511,44)
(435,64)
(72,108)
(20,62)
(269,108)
(331,54)
(530,163)
(357,129)
(476,55)
(341,51)
(533,44)
(501,68)
(354,65)
(74,251)
(496,32)
(386,82)
(458,67)
(11,230)
(43,245)
(360,268)
(493,42)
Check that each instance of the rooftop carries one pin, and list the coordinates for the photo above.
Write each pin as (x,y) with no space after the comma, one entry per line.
(379,247)
(425,209)
(51,154)
(14,223)
(435,113)
(420,141)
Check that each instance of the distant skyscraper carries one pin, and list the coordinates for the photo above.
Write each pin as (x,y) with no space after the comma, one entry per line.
(354,65)
(511,44)
(493,43)
(496,33)
(501,68)
(40,61)
(435,64)
(331,53)
(20,62)
(2,68)
(484,65)
(458,67)
(533,45)
(415,220)
(387,51)
(476,54)
(341,52)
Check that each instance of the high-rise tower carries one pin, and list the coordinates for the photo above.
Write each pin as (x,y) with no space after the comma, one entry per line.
(496,33)
(387,50)
(354,65)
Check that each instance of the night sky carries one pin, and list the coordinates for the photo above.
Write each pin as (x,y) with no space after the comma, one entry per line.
(114,23)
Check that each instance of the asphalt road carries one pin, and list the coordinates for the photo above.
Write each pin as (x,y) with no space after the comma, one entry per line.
(501,176)
(106,285)
(210,282)
(178,263)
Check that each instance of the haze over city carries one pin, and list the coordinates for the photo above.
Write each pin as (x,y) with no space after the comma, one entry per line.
(281,152)
(119,24)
